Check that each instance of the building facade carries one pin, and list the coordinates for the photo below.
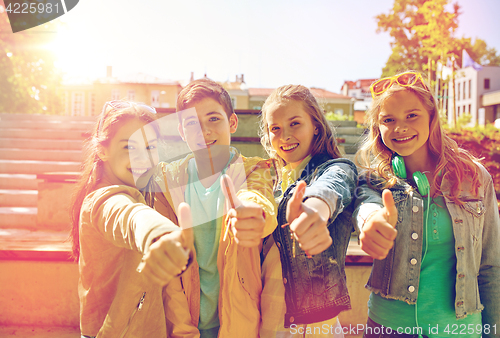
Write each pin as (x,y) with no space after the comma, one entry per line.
(89,98)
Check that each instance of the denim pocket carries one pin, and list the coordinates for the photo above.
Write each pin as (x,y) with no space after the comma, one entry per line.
(475,207)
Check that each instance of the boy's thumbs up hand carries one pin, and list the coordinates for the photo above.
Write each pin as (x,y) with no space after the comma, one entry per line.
(308,221)
(247,220)
(378,233)
(169,255)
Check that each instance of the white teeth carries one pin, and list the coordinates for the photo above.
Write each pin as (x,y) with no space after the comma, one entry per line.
(290,147)
(404,139)
(209,143)
(138,171)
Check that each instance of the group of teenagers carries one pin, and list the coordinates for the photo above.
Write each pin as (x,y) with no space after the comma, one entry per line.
(221,245)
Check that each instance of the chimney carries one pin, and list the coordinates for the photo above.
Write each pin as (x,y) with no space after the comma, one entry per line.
(242,79)
(192,77)
(109,71)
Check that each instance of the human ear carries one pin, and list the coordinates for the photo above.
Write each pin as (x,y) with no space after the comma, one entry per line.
(181,132)
(233,123)
(103,153)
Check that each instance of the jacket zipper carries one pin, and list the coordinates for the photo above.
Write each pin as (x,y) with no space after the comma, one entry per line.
(138,308)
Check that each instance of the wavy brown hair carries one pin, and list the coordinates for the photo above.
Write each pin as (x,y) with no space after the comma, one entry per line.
(105,128)
(324,142)
(456,163)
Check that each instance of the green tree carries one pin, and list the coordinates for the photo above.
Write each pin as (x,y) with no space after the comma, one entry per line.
(28,76)
(423,30)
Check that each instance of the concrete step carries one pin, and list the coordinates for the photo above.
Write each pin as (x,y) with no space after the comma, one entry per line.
(18,181)
(18,217)
(47,134)
(36,167)
(59,125)
(18,198)
(40,144)
(40,117)
(349,131)
(41,155)
(352,139)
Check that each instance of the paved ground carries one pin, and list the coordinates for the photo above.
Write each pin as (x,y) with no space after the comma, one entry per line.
(55,332)
(45,332)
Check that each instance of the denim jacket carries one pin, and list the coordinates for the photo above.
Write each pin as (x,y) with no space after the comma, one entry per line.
(476,227)
(315,288)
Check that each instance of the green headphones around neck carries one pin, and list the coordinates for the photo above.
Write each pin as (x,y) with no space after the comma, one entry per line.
(398,166)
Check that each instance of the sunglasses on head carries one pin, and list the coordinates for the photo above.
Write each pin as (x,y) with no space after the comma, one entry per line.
(406,79)
(116,105)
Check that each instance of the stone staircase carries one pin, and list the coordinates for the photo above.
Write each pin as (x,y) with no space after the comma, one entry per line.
(38,282)
(351,135)
(32,145)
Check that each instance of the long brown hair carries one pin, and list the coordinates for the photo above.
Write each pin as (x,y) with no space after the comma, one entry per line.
(324,142)
(105,128)
(454,162)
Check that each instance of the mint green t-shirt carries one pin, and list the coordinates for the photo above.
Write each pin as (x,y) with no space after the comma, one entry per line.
(436,294)
(207,205)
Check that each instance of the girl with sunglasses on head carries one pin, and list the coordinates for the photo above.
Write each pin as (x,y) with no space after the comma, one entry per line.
(434,233)
(113,229)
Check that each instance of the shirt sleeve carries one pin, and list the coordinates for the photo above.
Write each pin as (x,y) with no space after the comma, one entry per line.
(335,186)
(366,201)
(122,218)
(489,270)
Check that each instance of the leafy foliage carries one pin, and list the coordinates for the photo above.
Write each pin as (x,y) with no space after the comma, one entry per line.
(423,29)
(28,77)
(331,116)
(483,142)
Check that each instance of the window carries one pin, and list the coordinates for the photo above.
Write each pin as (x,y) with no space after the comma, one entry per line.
(155,98)
(257,107)
(115,94)
(92,104)
(77,106)
(465,112)
(486,83)
(458,111)
(458,91)
(470,88)
(131,95)
(339,112)
(470,109)
(233,102)
(464,91)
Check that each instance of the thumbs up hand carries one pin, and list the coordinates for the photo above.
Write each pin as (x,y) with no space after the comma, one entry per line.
(378,233)
(247,220)
(308,221)
(169,255)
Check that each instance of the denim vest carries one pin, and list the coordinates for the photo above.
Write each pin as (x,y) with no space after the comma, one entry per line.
(476,227)
(315,288)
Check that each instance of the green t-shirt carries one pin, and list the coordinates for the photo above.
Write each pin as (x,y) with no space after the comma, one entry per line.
(436,294)
(207,205)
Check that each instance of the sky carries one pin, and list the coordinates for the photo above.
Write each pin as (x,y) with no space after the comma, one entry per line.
(317,44)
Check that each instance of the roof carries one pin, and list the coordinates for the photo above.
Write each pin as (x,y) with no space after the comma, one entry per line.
(361,83)
(317,92)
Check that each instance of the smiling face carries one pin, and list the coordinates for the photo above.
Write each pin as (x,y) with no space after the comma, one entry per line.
(207,126)
(291,131)
(404,125)
(131,152)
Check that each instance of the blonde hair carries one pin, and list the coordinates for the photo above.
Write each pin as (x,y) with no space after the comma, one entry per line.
(455,163)
(107,124)
(323,142)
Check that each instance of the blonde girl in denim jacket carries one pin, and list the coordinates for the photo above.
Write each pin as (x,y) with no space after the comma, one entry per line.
(434,233)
